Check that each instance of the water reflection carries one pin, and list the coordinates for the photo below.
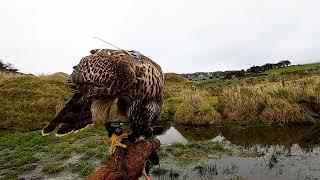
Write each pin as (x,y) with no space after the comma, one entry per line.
(170,136)
(285,153)
(305,136)
(276,163)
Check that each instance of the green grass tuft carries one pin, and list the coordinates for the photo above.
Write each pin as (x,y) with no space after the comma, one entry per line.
(19,152)
(53,168)
(83,168)
(194,151)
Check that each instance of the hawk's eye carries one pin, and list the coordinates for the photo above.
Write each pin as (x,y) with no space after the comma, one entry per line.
(93,51)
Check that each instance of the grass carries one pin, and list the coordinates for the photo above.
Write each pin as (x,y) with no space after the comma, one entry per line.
(270,102)
(21,153)
(53,168)
(185,103)
(273,161)
(196,107)
(294,68)
(263,102)
(272,98)
(81,153)
(193,151)
(30,101)
(83,168)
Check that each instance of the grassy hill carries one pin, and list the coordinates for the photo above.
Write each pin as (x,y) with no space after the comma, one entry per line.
(29,102)
(265,99)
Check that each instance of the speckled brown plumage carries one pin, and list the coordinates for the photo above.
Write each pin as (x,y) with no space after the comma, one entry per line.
(107,75)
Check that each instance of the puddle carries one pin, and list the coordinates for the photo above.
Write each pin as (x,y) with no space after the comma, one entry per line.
(305,136)
(286,153)
(171,135)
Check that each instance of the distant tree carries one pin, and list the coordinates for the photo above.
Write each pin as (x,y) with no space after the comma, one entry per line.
(230,74)
(283,63)
(7,67)
(241,73)
(265,67)
(287,63)
(255,69)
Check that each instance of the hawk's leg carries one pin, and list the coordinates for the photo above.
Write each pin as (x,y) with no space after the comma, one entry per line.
(115,132)
(113,128)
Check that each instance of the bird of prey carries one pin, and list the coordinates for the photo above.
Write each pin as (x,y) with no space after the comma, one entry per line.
(128,78)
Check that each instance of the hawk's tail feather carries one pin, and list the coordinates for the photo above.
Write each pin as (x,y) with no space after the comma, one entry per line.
(72,117)
(65,128)
(49,128)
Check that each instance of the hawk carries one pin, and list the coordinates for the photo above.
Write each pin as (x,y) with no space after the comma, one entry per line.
(128,78)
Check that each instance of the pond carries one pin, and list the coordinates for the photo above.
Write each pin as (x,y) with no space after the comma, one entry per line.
(291,152)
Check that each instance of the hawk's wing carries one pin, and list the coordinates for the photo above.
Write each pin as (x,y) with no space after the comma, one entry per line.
(103,72)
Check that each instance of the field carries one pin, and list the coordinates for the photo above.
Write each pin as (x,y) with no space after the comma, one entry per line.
(31,156)
(29,102)
(270,99)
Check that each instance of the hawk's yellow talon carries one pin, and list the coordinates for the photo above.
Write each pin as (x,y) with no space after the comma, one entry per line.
(116,141)
(124,135)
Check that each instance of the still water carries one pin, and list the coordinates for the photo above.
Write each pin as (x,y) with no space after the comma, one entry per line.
(291,152)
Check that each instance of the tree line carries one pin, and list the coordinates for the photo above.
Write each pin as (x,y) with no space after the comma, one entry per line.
(238,73)
(268,66)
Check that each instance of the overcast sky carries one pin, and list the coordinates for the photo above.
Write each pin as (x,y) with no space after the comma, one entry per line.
(41,36)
